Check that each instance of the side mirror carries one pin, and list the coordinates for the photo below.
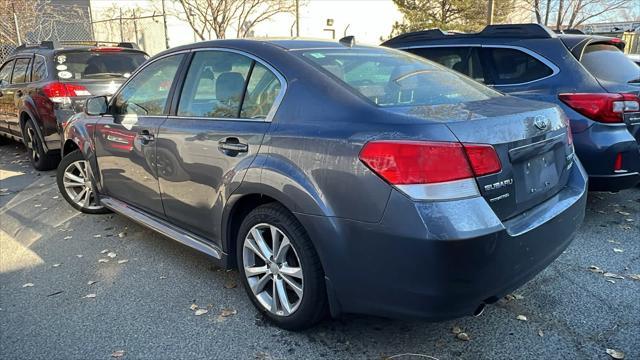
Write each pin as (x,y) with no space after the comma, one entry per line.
(97,105)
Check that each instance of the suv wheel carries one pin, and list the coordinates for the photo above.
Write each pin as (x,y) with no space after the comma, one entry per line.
(39,158)
(75,185)
(280,269)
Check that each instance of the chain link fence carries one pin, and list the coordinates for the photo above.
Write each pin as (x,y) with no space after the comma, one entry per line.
(39,20)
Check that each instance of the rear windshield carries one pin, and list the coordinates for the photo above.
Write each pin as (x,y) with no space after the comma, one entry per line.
(392,78)
(97,65)
(607,62)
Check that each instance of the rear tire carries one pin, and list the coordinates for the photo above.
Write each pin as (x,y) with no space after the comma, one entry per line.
(40,159)
(75,185)
(287,287)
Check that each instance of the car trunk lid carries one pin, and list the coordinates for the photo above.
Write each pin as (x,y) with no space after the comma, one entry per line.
(530,138)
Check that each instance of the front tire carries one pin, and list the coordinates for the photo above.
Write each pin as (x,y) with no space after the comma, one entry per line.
(40,159)
(76,186)
(280,268)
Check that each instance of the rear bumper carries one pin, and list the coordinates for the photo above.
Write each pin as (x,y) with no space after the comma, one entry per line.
(442,260)
(598,146)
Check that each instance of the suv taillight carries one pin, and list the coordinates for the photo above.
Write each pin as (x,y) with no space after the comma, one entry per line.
(59,92)
(606,108)
(428,170)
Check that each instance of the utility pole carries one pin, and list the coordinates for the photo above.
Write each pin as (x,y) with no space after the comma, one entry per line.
(164,19)
(297,18)
(490,6)
(15,22)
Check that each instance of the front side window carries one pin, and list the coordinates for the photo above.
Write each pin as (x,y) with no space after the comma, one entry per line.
(511,66)
(607,62)
(5,73)
(39,71)
(20,71)
(147,93)
(465,60)
(214,85)
(393,78)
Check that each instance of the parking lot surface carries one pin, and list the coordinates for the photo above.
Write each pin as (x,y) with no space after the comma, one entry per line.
(76,286)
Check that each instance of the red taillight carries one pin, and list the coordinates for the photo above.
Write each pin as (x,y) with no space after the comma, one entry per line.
(618,163)
(607,108)
(106,49)
(61,92)
(424,162)
(483,159)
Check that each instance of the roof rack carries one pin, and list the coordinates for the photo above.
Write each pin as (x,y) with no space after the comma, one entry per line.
(128,45)
(530,31)
(40,45)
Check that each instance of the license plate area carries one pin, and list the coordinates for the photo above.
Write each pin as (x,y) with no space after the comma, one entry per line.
(537,176)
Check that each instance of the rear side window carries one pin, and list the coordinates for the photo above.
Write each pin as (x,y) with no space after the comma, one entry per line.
(5,73)
(147,93)
(214,85)
(607,62)
(20,71)
(97,64)
(465,60)
(393,78)
(511,66)
(262,90)
(39,71)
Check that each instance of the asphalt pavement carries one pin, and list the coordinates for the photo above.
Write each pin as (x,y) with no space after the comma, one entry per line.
(75,286)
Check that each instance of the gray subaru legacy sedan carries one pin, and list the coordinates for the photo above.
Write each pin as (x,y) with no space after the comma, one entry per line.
(337,178)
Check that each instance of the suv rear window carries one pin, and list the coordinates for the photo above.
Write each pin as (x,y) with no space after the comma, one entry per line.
(393,78)
(97,65)
(607,62)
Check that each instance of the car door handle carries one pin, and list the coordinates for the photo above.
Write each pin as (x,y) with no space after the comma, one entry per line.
(145,137)
(233,145)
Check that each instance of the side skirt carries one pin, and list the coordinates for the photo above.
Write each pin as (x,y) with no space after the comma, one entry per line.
(163,227)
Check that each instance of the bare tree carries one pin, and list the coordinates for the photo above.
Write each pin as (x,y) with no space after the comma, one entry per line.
(573,13)
(213,18)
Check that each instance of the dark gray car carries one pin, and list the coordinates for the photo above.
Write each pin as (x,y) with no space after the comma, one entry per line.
(334,177)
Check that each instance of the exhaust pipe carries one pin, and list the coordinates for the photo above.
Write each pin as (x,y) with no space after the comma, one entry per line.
(479,310)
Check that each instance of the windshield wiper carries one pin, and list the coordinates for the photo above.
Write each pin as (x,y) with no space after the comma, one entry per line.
(634,81)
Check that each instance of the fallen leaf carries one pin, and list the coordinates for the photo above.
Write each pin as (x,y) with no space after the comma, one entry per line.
(193,307)
(518,296)
(230,284)
(67,237)
(629,220)
(463,336)
(117,354)
(97,236)
(226,312)
(614,242)
(55,197)
(91,282)
(540,333)
(163,277)
(111,255)
(103,260)
(123,261)
(624,213)
(611,281)
(199,312)
(634,277)
(521,318)
(104,251)
(55,265)
(618,250)
(122,234)
(613,275)
(616,354)
(79,255)
(596,269)
(27,285)
(90,296)
(456,330)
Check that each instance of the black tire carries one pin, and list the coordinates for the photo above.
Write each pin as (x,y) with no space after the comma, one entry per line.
(40,159)
(75,156)
(313,304)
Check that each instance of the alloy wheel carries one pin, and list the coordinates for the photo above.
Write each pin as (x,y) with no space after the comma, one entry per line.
(32,144)
(78,186)
(273,269)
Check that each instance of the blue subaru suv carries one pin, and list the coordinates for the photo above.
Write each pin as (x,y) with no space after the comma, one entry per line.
(588,76)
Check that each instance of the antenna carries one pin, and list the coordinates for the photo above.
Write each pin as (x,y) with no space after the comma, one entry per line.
(348,41)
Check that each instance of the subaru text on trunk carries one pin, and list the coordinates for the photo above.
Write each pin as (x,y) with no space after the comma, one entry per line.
(335,177)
